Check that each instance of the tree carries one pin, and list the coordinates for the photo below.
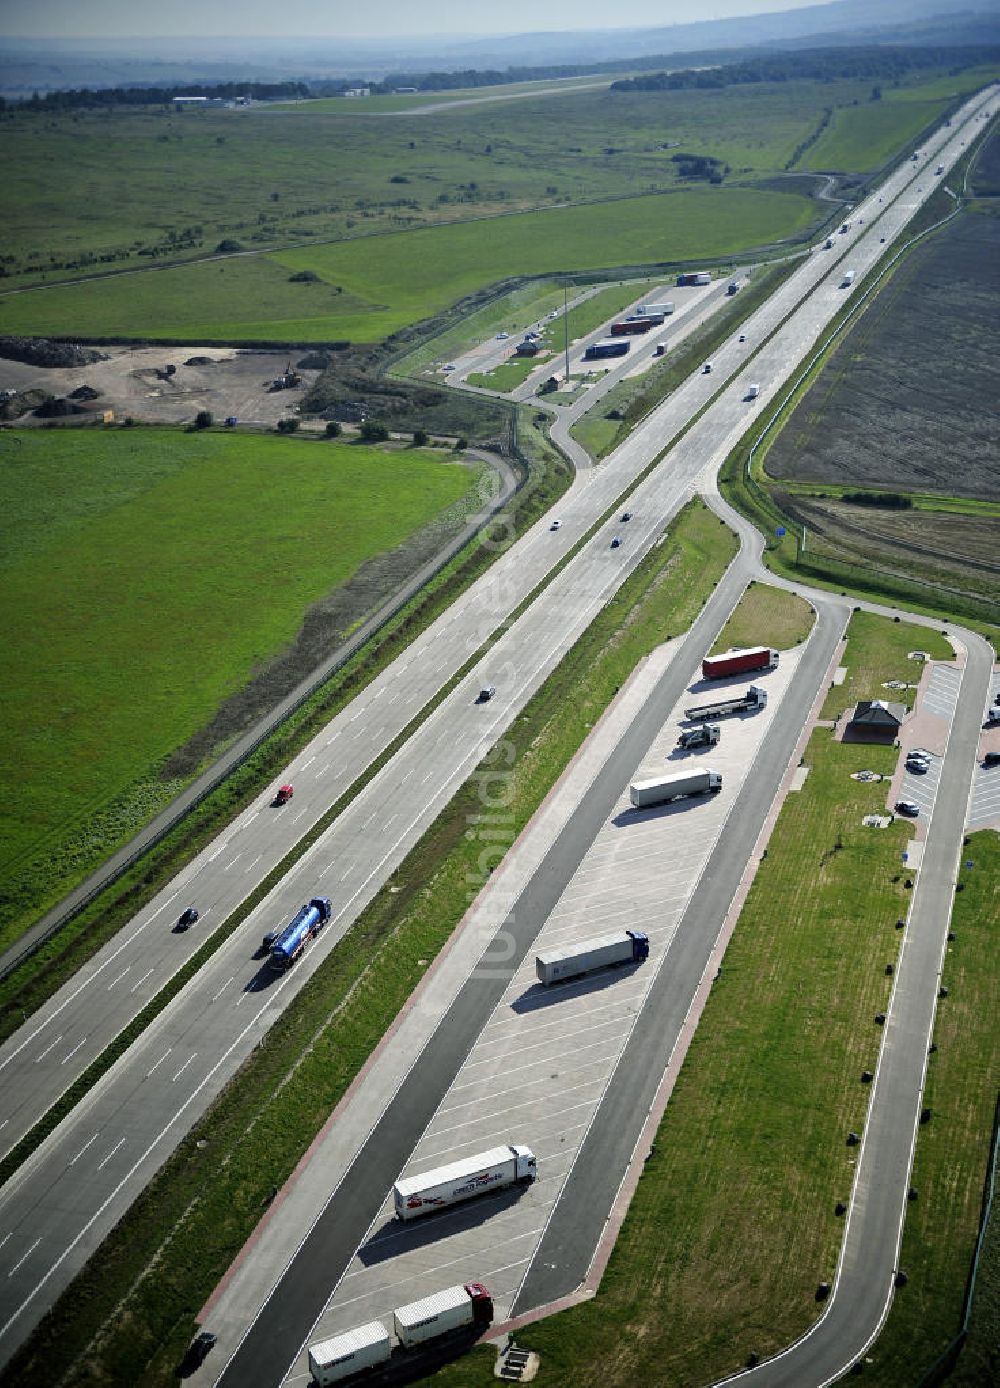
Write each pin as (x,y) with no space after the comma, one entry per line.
(203,419)
(420,438)
(374,433)
(334,429)
(461,443)
(288,426)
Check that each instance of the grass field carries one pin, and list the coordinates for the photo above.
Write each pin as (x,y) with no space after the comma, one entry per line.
(129,1316)
(133,589)
(404,277)
(952,1150)
(508,375)
(732,1225)
(766,616)
(878,650)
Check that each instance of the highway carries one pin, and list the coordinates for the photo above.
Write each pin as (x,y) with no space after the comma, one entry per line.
(56,1209)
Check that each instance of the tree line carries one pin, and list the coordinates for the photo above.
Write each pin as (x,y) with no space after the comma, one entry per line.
(87,97)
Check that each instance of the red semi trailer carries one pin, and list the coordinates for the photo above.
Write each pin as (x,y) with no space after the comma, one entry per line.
(716,667)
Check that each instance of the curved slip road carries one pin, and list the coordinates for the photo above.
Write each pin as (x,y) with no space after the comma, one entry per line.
(57,1208)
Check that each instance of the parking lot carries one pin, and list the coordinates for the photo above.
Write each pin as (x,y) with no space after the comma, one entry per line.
(984,806)
(545,1057)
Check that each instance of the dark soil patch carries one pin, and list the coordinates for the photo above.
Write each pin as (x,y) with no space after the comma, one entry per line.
(986,175)
(85,393)
(57,409)
(200,361)
(39,351)
(19,402)
(907,401)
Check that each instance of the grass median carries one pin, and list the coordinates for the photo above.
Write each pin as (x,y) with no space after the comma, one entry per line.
(129,1316)
(733,1222)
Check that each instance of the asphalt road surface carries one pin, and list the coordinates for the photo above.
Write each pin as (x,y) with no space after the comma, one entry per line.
(62,1202)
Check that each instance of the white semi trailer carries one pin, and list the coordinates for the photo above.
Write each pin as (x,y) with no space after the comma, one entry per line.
(456,1308)
(624,947)
(330,1361)
(664,788)
(461,1180)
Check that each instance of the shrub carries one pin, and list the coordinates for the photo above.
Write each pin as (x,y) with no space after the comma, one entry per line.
(420,437)
(374,433)
(288,426)
(333,430)
(203,419)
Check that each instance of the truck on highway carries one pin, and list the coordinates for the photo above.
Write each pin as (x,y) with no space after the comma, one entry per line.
(461,1180)
(939,169)
(752,391)
(754,698)
(848,279)
(456,1308)
(350,1353)
(741,662)
(705,736)
(694,277)
(623,947)
(660,789)
(285,946)
(607,347)
(663,310)
(634,327)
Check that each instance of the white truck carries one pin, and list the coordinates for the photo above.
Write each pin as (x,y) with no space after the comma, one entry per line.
(456,1308)
(461,1180)
(847,280)
(350,1353)
(705,736)
(663,310)
(754,698)
(623,947)
(752,392)
(663,788)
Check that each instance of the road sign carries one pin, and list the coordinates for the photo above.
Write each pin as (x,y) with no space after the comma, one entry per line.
(780,531)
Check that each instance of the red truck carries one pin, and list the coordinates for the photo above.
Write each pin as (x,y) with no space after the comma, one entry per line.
(716,667)
(634,326)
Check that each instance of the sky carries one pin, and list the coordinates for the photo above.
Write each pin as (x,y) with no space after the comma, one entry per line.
(347,19)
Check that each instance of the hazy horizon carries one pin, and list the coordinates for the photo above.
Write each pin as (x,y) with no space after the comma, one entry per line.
(377,20)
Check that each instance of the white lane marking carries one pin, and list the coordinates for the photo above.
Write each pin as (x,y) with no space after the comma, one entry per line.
(73,1052)
(308,763)
(40,1058)
(111,1154)
(22,1259)
(160,1061)
(221,849)
(119,978)
(4,1123)
(184,1067)
(232,861)
(73,1161)
(4,1240)
(216,996)
(250,867)
(141,981)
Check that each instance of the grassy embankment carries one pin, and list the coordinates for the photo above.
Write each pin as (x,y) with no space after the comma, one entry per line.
(367,290)
(732,1225)
(766,616)
(952,1150)
(132,582)
(129,1316)
(634,397)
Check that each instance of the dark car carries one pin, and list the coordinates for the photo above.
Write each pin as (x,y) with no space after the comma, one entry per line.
(626,515)
(486,693)
(907,807)
(187,917)
(197,1353)
(615,542)
(991,759)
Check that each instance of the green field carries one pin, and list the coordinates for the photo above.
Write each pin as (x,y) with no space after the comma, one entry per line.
(148,575)
(766,615)
(403,277)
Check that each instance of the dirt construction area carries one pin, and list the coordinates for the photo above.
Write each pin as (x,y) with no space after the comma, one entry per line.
(137,383)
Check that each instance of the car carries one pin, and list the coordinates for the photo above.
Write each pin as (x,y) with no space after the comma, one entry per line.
(991,759)
(907,807)
(707,367)
(502,337)
(556,525)
(531,337)
(283,795)
(918,764)
(743,337)
(198,1352)
(881,240)
(451,366)
(997,699)
(187,917)
(486,693)
(626,515)
(616,542)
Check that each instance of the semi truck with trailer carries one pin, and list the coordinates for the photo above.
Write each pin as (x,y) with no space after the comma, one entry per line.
(740,662)
(456,1308)
(694,277)
(607,347)
(623,947)
(634,327)
(705,736)
(754,698)
(368,1346)
(461,1180)
(660,789)
(663,310)
(284,946)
